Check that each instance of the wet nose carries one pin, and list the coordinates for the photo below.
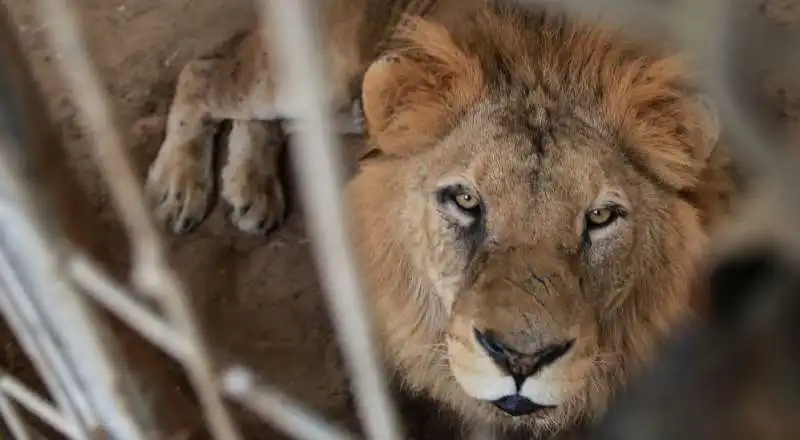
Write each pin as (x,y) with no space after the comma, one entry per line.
(516,363)
(516,405)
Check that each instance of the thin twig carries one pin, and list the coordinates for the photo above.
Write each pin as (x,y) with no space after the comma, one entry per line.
(38,406)
(118,300)
(283,412)
(321,181)
(151,273)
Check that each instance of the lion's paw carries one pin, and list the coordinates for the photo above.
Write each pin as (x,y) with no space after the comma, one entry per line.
(179,188)
(255,196)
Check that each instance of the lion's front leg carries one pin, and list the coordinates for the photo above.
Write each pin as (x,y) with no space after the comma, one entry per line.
(235,86)
(180,180)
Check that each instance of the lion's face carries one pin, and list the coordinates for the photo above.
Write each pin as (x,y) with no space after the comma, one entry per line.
(531,230)
(524,238)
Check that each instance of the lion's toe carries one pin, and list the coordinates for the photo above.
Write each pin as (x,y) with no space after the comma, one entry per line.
(179,192)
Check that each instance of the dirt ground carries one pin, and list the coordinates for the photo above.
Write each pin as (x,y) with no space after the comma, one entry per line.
(259,297)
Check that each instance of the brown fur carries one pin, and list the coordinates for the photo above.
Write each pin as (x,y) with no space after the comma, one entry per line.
(543,118)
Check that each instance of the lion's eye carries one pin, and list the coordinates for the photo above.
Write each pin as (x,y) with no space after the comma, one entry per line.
(600,217)
(466,201)
(460,204)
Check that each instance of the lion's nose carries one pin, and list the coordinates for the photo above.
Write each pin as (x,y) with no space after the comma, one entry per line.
(516,405)
(520,365)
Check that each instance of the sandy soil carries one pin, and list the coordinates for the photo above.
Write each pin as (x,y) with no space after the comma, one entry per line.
(259,296)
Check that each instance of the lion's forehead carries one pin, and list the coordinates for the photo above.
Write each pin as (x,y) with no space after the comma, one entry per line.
(519,149)
(548,184)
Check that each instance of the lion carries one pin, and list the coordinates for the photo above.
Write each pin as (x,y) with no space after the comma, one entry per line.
(528,223)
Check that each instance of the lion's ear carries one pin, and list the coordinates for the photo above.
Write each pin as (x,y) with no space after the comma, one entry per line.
(412,95)
(706,124)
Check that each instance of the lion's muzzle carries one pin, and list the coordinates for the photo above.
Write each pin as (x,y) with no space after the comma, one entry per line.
(520,337)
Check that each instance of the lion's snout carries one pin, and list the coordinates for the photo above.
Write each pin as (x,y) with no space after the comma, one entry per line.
(513,377)
(521,334)
(514,361)
(520,366)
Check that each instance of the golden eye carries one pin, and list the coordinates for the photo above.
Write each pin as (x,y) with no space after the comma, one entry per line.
(600,217)
(467,201)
